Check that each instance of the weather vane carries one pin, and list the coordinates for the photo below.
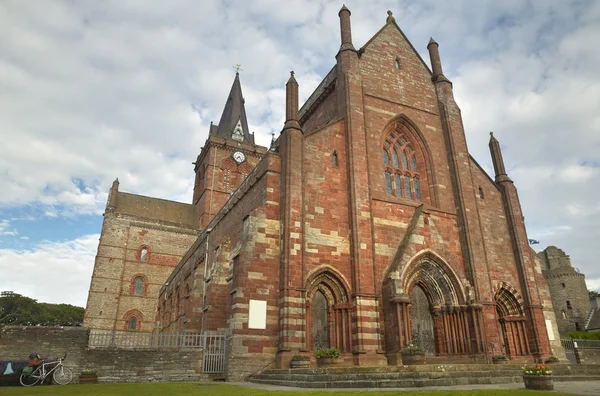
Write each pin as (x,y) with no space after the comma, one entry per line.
(238,68)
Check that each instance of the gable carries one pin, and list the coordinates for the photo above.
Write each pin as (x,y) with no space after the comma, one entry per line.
(410,84)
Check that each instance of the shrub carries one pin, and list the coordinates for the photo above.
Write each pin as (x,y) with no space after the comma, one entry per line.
(537,369)
(412,350)
(300,358)
(551,359)
(329,352)
(584,335)
(499,357)
(88,372)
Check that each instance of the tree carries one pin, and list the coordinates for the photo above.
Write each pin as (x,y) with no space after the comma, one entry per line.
(594,293)
(18,310)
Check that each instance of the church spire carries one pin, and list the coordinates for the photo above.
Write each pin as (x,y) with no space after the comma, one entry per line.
(233,123)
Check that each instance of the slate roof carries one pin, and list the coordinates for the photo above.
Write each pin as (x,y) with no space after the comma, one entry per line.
(161,210)
(233,112)
(594,323)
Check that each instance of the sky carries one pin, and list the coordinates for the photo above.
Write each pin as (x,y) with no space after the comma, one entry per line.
(92,91)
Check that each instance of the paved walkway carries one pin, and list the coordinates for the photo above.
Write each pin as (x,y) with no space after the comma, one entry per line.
(589,388)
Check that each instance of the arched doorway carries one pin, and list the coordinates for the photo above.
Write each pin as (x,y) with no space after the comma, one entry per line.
(329,313)
(422,321)
(428,306)
(511,322)
(320,321)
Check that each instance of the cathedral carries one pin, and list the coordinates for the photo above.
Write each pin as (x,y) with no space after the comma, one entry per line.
(366,226)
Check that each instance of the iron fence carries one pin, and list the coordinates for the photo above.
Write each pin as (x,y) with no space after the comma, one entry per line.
(569,343)
(119,339)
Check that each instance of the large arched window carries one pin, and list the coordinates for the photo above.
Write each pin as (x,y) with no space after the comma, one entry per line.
(402,176)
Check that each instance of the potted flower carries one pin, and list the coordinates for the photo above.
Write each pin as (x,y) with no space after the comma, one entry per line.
(327,357)
(300,361)
(538,377)
(499,359)
(412,355)
(88,377)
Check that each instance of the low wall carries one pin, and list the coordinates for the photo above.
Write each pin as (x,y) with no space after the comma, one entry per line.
(587,355)
(111,365)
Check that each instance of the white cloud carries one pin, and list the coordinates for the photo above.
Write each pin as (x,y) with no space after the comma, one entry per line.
(6,230)
(55,272)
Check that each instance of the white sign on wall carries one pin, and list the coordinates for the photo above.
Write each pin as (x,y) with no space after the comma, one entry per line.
(257,315)
(549,330)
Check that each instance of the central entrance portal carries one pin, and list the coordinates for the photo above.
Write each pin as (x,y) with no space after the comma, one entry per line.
(422,322)
(320,321)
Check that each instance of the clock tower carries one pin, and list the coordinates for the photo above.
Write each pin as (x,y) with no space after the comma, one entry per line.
(227,158)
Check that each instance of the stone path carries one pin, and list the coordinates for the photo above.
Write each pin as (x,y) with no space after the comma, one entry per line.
(588,388)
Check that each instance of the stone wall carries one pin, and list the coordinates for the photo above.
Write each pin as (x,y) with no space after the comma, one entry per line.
(568,290)
(112,299)
(587,355)
(111,365)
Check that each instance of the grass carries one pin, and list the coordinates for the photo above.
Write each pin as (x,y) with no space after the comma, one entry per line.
(219,389)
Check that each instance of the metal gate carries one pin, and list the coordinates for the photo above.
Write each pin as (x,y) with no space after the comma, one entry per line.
(213,358)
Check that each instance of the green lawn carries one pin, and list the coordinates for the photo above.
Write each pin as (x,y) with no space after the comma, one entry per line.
(220,389)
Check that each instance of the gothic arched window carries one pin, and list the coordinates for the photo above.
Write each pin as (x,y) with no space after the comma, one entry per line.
(335,158)
(401,167)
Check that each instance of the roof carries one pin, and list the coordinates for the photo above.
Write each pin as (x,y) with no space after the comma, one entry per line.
(594,322)
(161,210)
(234,114)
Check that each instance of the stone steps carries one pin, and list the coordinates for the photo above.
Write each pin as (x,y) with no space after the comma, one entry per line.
(414,376)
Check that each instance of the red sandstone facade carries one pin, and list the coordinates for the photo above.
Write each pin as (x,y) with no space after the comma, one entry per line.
(367,226)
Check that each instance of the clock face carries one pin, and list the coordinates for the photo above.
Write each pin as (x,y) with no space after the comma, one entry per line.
(239,157)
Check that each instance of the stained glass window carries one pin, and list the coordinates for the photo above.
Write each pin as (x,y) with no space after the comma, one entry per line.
(398,186)
(404,161)
(417,189)
(396,162)
(388,182)
(401,175)
(409,193)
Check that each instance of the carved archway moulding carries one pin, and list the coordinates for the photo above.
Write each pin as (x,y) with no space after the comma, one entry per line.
(509,300)
(328,277)
(435,276)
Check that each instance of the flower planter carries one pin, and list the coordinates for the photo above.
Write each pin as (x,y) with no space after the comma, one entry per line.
(88,379)
(299,363)
(538,382)
(500,361)
(412,359)
(326,361)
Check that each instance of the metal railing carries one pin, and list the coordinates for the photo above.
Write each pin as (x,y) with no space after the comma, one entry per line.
(570,343)
(131,340)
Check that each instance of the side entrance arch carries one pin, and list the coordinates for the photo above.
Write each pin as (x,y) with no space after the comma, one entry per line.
(329,313)
(511,321)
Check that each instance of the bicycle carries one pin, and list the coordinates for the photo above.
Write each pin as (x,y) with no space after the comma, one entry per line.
(61,374)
